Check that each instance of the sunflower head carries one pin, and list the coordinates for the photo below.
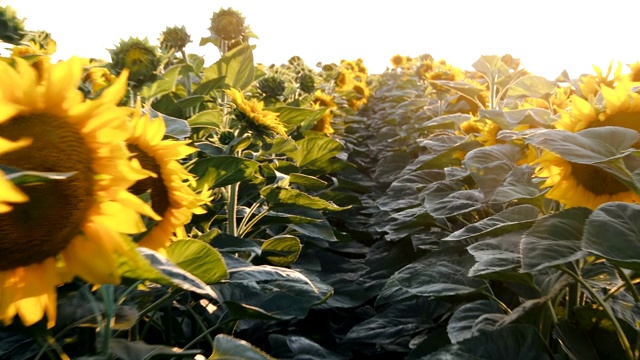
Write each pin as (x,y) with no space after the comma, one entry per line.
(11,27)
(140,57)
(72,225)
(634,74)
(168,185)
(398,61)
(485,130)
(175,38)
(271,86)
(228,25)
(97,78)
(252,116)
(575,184)
(306,82)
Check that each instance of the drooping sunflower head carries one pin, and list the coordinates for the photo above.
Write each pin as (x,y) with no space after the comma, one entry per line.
(175,38)
(11,27)
(271,86)
(620,107)
(228,25)
(169,185)
(139,57)
(306,82)
(74,225)
(252,115)
(574,184)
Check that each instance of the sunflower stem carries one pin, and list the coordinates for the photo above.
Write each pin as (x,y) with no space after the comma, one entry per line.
(187,81)
(605,306)
(629,284)
(232,209)
(107,292)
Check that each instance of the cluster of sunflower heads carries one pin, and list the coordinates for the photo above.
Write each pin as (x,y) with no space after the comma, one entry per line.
(352,82)
(11,27)
(140,57)
(174,38)
(228,30)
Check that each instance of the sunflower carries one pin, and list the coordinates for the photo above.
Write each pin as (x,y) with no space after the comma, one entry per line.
(254,116)
(398,61)
(574,184)
(73,226)
(634,75)
(170,194)
(10,194)
(324,100)
(620,107)
(589,85)
(485,130)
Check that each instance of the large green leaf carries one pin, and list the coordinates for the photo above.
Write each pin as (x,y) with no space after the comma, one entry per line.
(223,170)
(236,65)
(207,118)
(163,85)
(516,341)
(554,240)
(233,244)
(496,255)
(519,185)
(514,218)
(472,319)
(175,127)
(439,273)
(489,166)
(198,258)
(532,86)
(460,202)
(613,232)
(276,196)
(292,116)
(226,347)
(509,119)
(302,348)
(465,89)
(281,250)
(313,150)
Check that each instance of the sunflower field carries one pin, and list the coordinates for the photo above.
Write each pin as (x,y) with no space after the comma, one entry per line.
(154,206)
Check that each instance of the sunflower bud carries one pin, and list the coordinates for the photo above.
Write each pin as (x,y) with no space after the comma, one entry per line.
(271,86)
(227,25)
(226,137)
(139,57)
(175,38)
(307,83)
(11,28)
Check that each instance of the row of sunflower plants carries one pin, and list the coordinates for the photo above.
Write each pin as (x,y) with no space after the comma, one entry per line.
(154,207)
(513,200)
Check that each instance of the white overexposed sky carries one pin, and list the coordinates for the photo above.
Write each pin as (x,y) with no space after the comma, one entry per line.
(547,35)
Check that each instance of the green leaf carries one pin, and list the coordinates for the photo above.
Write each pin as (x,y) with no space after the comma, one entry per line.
(292,116)
(206,87)
(282,250)
(199,259)
(515,341)
(497,254)
(163,85)
(139,350)
(532,86)
(439,273)
(465,89)
(509,119)
(472,319)
(191,101)
(460,202)
(521,186)
(207,118)
(491,165)
(315,150)
(575,341)
(226,347)
(554,240)
(233,244)
(613,232)
(276,196)
(157,268)
(221,171)
(237,67)
(175,127)
(306,181)
(514,218)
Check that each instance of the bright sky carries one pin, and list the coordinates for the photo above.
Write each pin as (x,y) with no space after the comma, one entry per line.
(547,35)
